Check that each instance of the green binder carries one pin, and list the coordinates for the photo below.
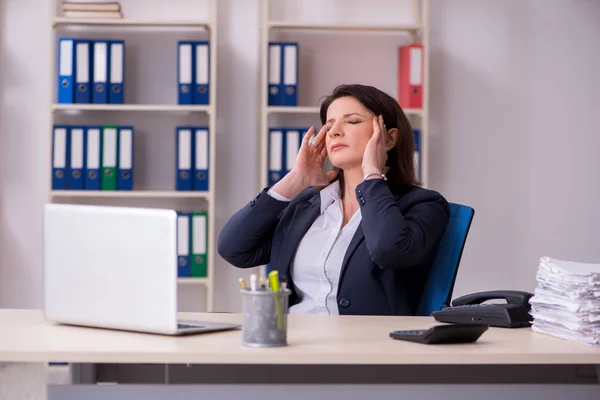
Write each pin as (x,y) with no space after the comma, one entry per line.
(110,142)
(199,239)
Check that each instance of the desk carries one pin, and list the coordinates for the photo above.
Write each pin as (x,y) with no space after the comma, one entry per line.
(322,350)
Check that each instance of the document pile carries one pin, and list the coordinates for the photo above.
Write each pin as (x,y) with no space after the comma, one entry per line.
(566,301)
(92,9)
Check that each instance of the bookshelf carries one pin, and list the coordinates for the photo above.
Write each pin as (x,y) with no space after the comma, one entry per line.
(151,33)
(313,34)
(340,31)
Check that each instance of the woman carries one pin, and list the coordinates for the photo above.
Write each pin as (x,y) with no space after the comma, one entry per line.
(356,240)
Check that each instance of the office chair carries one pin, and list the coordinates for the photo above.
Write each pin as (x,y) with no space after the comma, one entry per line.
(440,282)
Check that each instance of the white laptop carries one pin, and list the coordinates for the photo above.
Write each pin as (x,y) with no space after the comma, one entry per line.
(114,267)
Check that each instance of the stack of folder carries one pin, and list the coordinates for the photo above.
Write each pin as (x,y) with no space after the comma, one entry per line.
(92,157)
(192,248)
(283,74)
(193,72)
(84,10)
(192,158)
(91,71)
(284,144)
(566,301)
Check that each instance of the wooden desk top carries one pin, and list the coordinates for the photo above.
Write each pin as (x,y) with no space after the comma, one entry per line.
(25,336)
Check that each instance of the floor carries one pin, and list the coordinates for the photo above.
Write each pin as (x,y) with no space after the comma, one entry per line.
(28,381)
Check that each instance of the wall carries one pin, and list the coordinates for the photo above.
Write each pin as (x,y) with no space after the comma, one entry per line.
(513,131)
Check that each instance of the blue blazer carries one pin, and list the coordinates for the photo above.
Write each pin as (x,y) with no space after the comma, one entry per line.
(388,259)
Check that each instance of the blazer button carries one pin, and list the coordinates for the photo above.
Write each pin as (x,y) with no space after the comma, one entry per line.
(344,302)
(252,203)
(362,201)
(359,193)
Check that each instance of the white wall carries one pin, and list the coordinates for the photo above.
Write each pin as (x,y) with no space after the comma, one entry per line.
(513,129)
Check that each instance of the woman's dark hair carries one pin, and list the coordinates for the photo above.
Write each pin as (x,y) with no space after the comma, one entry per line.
(402,173)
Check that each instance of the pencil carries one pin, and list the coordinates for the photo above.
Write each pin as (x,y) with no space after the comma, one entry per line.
(243,284)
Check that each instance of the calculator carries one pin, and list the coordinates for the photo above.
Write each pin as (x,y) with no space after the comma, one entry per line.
(442,334)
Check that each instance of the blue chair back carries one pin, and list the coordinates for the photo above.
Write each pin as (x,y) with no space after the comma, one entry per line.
(440,282)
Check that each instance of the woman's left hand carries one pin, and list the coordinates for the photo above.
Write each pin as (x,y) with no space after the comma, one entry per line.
(375,155)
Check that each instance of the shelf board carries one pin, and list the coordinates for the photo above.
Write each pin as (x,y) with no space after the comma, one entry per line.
(132,194)
(343,27)
(64,21)
(193,281)
(132,107)
(413,111)
(315,110)
(292,110)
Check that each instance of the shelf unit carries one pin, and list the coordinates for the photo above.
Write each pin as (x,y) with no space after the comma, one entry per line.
(417,31)
(62,26)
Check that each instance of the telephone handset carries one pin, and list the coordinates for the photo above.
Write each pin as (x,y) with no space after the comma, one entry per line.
(472,308)
(511,297)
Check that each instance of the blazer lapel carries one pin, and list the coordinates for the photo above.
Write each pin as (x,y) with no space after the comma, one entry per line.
(304,215)
(358,237)
(356,240)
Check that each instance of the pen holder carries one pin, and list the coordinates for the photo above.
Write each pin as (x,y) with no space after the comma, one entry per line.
(264,321)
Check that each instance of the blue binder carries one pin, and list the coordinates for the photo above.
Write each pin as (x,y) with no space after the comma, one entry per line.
(293,140)
(116,73)
(183,244)
(101,57)
(125,158)
(185,69)
(66,71)
(276,155)
(93,140)
(83,71)
(417,153)
(184,158)
(77,145)
(60,157)
(201,157)
(201,81)
(275,74)
(290,73)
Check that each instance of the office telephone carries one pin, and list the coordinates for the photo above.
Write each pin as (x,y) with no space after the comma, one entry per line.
(472,309)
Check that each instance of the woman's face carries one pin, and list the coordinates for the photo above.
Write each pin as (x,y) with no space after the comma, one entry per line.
(349,128)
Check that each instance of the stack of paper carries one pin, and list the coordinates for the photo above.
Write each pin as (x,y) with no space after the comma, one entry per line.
(566,301)
(92,9)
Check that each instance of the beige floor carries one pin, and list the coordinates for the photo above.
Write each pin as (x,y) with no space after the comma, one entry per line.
(28,381)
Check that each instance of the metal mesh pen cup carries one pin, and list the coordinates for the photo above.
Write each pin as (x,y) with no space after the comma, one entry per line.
(264,321)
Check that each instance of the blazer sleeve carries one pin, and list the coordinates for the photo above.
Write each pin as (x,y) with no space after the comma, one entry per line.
(396,240)
(245,240)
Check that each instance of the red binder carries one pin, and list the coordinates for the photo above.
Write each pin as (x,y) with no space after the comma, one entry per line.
(410,76)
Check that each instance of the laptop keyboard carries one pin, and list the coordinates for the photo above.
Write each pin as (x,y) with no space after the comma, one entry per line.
(185,326)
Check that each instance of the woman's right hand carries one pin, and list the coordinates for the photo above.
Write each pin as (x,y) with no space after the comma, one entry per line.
(308,169)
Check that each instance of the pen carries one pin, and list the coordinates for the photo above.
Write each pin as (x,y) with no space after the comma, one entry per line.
(274,284)
(243,284)
(253,282)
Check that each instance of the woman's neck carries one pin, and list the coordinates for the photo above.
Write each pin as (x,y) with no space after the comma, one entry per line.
(352,177)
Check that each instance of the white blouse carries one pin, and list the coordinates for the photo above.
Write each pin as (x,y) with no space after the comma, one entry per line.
(315,270)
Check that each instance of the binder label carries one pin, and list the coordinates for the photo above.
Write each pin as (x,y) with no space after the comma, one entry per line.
(93,148)
(116,63)
(66,58)
(185,64)
(60,148)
